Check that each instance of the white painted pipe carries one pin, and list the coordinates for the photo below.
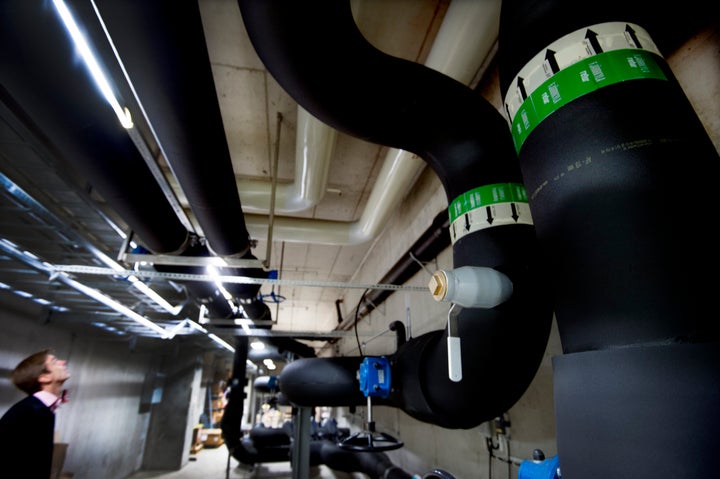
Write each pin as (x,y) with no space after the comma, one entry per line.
(314,150)
(402,169)
(464,41)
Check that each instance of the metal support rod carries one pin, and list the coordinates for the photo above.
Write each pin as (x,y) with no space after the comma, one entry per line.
(301,444)
(371,423)
(273,189)
(375,336)
(453,344)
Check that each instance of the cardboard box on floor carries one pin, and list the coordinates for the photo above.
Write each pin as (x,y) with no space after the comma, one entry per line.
(211,437)
(58,460)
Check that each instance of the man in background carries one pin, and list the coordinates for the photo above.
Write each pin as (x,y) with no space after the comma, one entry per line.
(27,428)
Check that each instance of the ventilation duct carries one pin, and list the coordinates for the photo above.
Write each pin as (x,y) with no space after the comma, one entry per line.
(467,144)
(620,173)
(315,145)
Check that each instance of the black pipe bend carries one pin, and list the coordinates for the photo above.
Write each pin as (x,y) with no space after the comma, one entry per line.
(316,53)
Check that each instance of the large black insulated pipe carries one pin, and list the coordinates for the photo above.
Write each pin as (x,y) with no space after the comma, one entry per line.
(621,177)
(231,422)
(316,53)
(203,292)
(163,48)
(376,465)
(246,294)
(44,81)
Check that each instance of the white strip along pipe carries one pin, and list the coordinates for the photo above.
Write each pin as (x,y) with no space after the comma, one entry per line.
(464,40)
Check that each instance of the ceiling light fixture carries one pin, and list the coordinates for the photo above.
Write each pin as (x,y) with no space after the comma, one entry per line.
(257,345)
(111,303)
(213,272)
(91,62)
(243,323)
(29,258)
(221,342)
(269,364)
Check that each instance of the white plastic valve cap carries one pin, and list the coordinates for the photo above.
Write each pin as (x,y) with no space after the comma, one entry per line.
(471,287)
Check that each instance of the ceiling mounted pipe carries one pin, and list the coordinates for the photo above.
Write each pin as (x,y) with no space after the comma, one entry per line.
(203,292)
(245,294)
(43,82)
(401,170)
(162,46)
(76,120)
(314,149)
(466,142)
(462,45)
(621,248)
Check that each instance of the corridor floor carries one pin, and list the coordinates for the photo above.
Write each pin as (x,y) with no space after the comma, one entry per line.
(212,463)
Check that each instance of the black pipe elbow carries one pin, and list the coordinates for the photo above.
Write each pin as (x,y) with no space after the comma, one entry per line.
(317,54)
(376,465)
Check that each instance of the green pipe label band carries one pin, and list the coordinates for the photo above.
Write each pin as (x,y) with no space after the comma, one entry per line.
(577,64)
(488,206)
(580,79)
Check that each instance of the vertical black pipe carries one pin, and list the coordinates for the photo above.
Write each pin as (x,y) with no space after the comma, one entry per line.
(231,423)
(621,180)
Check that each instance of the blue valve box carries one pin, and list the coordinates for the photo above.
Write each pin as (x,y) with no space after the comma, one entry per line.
(547,469)
(375,377)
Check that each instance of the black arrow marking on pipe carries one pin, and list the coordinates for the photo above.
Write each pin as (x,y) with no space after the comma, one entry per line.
(454,231)
(630,31)
(507,110)
(521,86)
(467,222)
(550,57)
(488,210)
(592,38)
(515,214)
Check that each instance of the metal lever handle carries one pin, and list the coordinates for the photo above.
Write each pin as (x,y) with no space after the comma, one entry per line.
(453,345)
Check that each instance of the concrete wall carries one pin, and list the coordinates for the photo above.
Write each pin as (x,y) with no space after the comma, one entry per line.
(169,437)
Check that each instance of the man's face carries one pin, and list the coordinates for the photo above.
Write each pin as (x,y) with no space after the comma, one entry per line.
(57,371)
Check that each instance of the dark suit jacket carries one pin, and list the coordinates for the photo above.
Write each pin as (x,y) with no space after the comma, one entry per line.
(26,440)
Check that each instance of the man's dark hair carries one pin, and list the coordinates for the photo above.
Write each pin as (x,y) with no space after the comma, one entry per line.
(26,373)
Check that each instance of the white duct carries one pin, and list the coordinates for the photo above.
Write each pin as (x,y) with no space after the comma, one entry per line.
(313,152)
(464,41)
